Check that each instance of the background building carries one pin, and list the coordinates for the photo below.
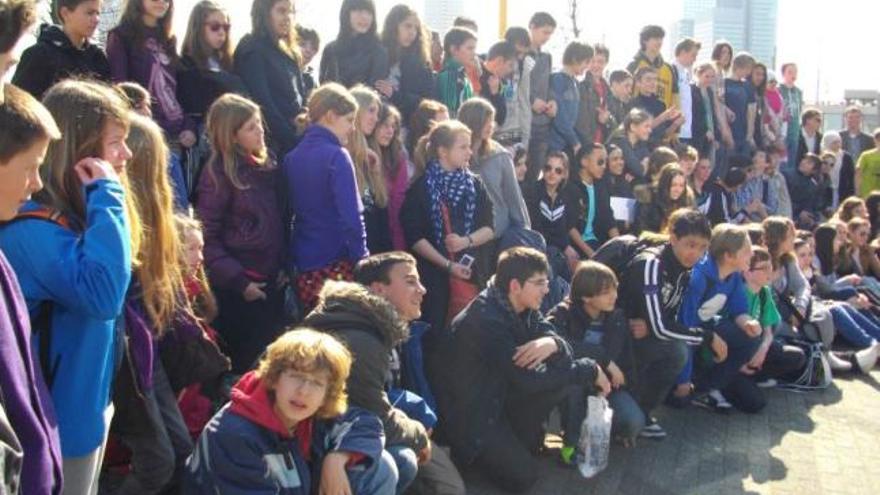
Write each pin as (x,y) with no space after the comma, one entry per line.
(749,25)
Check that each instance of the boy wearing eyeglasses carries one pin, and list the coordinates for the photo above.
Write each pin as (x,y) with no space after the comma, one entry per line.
(507,368)
(772,359)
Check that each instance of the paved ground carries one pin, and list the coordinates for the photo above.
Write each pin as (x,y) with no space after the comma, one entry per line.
(803,444)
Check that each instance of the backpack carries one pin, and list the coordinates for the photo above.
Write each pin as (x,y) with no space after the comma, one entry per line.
(816,373)
(619,252)
(41,321)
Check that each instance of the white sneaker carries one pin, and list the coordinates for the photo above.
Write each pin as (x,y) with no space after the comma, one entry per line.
(867,358)
(720,401)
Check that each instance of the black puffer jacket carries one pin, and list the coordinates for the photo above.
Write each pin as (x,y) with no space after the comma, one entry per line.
(54,58)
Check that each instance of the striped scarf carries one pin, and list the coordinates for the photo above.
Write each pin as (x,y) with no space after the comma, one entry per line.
(457,190)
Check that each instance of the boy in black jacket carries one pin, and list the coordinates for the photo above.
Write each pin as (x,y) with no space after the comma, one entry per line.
(594,328)
(652,290)
(499,65)
(720,205)
(507,368)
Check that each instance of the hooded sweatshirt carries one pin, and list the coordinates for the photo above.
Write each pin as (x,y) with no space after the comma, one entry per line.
(245,448)
(24,394)
(496,171)
(370,327)
(54,58)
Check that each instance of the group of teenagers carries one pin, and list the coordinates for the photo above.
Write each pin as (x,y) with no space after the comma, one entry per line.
(224,273)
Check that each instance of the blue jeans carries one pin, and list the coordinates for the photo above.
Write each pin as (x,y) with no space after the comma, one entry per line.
(406,464)
(377,479)
(627,421)
(856,328)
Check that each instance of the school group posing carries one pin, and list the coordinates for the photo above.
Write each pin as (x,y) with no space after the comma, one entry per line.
(376,273)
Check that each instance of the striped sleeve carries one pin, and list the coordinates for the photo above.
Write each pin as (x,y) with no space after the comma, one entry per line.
(662,320)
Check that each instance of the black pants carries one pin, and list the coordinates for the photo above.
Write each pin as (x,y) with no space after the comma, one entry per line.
(507,456)
(151,426)
(743,392)
(657,363)
(248,328)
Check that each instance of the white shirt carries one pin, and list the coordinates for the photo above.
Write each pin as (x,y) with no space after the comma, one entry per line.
(685,78)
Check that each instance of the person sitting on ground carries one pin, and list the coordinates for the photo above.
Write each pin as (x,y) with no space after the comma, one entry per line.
(371,317)
(588,205)
(288,421)
(716,302)
(773,359)
(652,288)
(655,205)
(506,369)
(594,328)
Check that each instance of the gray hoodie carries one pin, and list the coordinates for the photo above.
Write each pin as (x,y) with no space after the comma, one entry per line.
(496,171)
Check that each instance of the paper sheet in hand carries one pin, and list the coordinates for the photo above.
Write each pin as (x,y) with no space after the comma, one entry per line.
(624,209)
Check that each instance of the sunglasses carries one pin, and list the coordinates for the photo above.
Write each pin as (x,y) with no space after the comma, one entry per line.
(217,26)
(555,170)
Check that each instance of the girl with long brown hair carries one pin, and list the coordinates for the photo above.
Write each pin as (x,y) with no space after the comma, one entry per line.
(143,49)
(269,61)
(408,43)
(396,167)
(244,233)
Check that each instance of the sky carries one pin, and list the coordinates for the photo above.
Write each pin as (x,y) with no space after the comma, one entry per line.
(828,43)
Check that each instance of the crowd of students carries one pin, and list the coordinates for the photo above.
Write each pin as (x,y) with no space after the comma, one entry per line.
(224,272)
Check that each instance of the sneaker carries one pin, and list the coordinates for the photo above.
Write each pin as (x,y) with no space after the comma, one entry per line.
(864,360)
(713,401)
(566,455)
(839,361)
(653,430)
(768,383)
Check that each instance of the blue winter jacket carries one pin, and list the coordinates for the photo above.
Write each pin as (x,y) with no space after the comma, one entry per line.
(564,90)
(708,297)
(245,449)
(84,275)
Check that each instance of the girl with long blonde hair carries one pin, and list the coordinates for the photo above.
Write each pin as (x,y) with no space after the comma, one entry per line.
(244,234)
(73,250)
(368,169)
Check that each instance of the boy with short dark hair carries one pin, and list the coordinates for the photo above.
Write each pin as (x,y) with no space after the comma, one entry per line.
(309,45)
(667,120)
(650,43)
(621,83)
(716,302)
(498,66)
(453,84)
(517,126)
(810,139)
(507,369)
(538,67)
(804,191)
(653,285)
(756,196)
(564,90)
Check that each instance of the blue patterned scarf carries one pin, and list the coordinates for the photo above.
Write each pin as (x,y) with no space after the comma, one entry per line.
(457,190)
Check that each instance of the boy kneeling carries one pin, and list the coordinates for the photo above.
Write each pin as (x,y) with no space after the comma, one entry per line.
(287,428)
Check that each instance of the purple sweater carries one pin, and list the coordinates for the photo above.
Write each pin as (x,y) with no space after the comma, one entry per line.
(329,223)
(25,397)
(244,236)
(150,66)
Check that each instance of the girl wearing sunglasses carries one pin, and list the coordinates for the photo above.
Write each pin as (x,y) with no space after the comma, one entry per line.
(207,61)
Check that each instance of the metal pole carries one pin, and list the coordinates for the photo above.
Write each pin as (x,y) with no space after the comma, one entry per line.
(502,18)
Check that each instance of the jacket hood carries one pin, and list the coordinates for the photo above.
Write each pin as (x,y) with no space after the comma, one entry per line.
(250,400)
(496,152)
(347,306)
(54,35)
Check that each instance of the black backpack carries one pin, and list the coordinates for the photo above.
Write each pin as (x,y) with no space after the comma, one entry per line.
(619,252)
